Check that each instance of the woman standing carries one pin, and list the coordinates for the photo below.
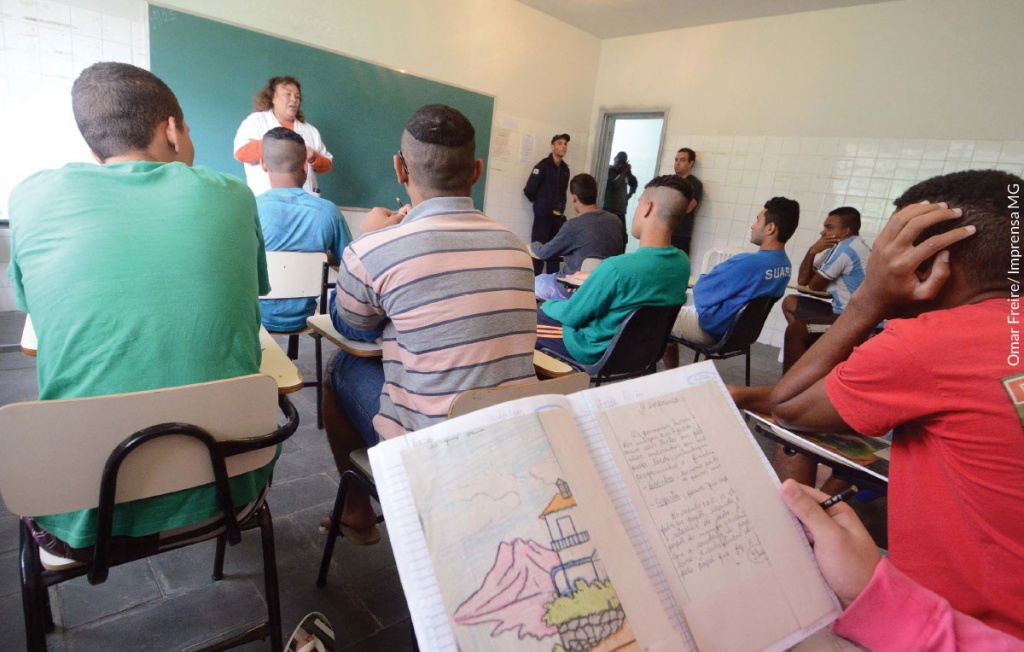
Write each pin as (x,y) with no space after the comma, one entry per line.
(278,105)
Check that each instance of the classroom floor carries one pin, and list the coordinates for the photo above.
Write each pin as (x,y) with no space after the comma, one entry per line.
(170,602)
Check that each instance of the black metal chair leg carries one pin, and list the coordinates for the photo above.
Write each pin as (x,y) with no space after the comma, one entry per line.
(696,356)
(48,625)
(332,531)
(748,366)
(293,347)
(319,381)
(270,578)
(218,559)
(31,599)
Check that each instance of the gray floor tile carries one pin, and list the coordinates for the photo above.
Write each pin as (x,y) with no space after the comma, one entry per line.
(127,586)
(288,497)
(8,531)
(213,611)
(10,573)
(396,638)
(382,594)
(301,463)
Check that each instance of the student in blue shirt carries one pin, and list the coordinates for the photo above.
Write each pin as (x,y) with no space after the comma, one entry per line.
(836,264)
(294,220)
(720,293)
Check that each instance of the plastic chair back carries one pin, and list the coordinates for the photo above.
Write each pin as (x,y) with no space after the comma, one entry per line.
(638,345)
(295,274)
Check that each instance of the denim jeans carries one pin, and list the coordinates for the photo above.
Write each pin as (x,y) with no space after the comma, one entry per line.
(356,384)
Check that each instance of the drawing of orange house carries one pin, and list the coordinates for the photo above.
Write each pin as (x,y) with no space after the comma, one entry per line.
(576,555)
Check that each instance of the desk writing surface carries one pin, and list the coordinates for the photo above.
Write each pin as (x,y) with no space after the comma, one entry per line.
(323,326)
(864,456)
(275,363)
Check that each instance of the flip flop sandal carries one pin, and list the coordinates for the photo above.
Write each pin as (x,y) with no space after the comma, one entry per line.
(314,634)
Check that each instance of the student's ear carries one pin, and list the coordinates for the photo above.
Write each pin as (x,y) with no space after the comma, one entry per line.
(264,166)
(400,171)
(478,169)
(771,228)
(170,129)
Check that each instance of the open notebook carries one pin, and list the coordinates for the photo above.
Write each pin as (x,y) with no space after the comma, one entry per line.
(636,516)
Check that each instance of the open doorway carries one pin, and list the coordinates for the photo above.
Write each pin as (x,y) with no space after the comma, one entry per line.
(640,135)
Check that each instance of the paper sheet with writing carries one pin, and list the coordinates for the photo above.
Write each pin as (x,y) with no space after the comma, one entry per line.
(697,594)
(712,516)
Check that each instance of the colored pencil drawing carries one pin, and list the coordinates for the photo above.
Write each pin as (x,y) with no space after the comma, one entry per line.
(512,555)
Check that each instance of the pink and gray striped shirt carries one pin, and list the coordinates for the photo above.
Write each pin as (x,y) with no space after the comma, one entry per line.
(456,291)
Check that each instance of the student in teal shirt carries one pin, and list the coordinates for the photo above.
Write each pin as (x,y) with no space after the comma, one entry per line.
(655,275)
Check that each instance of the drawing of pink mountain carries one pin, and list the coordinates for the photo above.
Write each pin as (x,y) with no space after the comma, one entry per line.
(514,591)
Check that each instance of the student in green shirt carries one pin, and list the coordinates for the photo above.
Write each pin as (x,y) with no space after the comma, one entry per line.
(140,273)
(656,274)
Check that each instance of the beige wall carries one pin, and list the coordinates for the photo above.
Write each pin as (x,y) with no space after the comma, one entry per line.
(904,69)
(842,107)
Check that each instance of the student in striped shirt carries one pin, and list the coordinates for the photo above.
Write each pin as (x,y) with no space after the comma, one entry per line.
(450,290)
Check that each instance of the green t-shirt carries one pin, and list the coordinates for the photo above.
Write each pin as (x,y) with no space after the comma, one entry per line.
(650,276)
(139,276)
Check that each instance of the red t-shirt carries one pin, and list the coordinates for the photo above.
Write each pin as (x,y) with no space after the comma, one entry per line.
(956,490)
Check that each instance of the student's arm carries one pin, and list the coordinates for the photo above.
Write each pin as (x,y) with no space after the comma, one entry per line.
(800,401)
(560,245)
(632,182)
(534,181)
(885,610)
(807,275)
(358,305)
(343,327)
(251,152)
(588,303)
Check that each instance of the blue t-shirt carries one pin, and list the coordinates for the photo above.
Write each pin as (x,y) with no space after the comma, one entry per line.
(294,220)
(719,294)
(844,268)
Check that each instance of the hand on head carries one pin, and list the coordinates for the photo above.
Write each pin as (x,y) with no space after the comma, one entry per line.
(823,243)
(846,553)
(893,277)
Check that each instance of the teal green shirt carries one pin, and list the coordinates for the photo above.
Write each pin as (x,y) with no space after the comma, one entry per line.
(139,275)
(650,276)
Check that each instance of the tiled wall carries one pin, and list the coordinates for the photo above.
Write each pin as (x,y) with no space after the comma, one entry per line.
(741,172)
(43,47)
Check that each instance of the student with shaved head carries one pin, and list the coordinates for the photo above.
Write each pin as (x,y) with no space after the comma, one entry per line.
(450,289)
(582,326)
(294,220)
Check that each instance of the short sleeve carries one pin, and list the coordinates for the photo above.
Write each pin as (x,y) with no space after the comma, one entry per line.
(872,390)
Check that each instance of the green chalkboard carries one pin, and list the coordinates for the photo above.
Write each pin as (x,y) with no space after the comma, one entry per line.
(360,108)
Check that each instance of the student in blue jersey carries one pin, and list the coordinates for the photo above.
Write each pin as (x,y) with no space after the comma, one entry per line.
(294,220)
(582,326)
(719,294)
(836,264)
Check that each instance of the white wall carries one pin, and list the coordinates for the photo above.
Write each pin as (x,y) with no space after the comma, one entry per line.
(841,107)
(541,72)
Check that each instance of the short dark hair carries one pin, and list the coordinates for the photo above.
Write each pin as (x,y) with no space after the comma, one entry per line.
(674,209)
(264,99)
(987,199)
(283,150)
(118,106)
(784,213)
(849,218)
(439,146)
(690,154)
(584,187)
